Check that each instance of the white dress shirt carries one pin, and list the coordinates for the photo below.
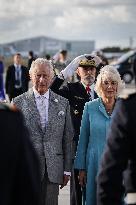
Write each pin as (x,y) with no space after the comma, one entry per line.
(42,103)
(19,75)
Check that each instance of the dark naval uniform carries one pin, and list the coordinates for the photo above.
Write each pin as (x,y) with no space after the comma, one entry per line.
(77,96)
(120,155)
(19,171)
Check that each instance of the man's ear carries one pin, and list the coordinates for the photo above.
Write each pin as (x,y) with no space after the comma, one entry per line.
(78,74)
(77,71)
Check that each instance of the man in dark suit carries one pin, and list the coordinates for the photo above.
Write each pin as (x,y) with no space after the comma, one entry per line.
(120,155)
(31,58)
(78,94)
(17,78)
(19,172)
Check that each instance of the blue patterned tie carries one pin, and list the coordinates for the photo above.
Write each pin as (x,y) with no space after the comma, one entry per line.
(18,80)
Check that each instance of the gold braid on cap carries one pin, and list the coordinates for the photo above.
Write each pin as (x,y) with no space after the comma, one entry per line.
(87,63)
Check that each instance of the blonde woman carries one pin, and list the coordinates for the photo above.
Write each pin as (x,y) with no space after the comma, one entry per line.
(95,123)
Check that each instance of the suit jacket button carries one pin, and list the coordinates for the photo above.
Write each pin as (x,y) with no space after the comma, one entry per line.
(76,112)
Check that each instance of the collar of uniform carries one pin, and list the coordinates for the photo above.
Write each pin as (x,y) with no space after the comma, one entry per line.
(37,95)
(91,86)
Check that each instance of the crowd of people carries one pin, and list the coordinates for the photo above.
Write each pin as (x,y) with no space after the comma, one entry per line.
(62,130)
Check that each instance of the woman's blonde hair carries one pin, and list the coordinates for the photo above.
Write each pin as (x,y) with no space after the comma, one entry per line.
(108,72)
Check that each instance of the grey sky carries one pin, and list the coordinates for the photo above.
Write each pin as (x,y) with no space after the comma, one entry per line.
(108,22)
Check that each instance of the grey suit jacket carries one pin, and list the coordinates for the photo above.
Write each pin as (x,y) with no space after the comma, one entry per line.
(54,145)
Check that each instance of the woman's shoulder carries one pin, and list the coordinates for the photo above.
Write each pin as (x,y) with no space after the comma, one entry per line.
(94,102)
(92,105)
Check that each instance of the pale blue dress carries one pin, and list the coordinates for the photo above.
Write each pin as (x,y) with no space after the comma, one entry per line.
(93,131)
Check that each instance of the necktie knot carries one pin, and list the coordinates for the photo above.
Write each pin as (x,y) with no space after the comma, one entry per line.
(88,89)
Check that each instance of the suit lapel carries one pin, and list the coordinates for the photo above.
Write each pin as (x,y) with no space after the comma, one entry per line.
(95,95)
(13,73)
(53,106)
(32,107)
(83,91)
(22,73)
(102,108)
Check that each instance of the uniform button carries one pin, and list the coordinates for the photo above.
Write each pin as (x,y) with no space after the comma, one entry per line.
(76,112)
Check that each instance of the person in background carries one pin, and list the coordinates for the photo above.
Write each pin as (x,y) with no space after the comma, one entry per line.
(19,171)
(48,57)
(31,58)
(78,94)
(60,61)
(2,93)
(17,78)
(119,156)
(102,56)
(94,126)
(47,116)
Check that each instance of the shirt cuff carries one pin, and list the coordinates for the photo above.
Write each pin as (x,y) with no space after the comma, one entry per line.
(67,173)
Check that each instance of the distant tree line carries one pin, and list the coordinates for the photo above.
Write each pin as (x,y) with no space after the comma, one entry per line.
(115,49)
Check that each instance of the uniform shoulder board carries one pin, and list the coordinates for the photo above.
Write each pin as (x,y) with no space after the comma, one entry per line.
(6,106)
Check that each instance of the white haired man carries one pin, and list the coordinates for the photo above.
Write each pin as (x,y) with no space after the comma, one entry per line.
(47,117)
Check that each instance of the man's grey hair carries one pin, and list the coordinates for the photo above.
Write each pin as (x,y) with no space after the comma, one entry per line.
(41,61)
(109,72)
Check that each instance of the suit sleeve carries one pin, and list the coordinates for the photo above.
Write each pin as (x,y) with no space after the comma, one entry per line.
(80,161)
(59,89)
(67,141)
(8,75)
(115,159)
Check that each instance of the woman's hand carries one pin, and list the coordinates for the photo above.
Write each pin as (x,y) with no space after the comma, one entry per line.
(82,177)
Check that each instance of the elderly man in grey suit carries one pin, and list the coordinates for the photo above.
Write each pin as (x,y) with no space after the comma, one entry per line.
(47,117)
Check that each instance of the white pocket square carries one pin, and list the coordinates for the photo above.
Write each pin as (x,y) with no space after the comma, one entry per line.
(61,113)
(56,100)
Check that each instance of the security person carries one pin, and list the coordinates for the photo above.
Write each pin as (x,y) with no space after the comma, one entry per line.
(119,156)
(78,93)
(19,172)
(17,78)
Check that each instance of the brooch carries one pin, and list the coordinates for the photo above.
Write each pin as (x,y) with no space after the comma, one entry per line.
(61,113)
(55,100)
